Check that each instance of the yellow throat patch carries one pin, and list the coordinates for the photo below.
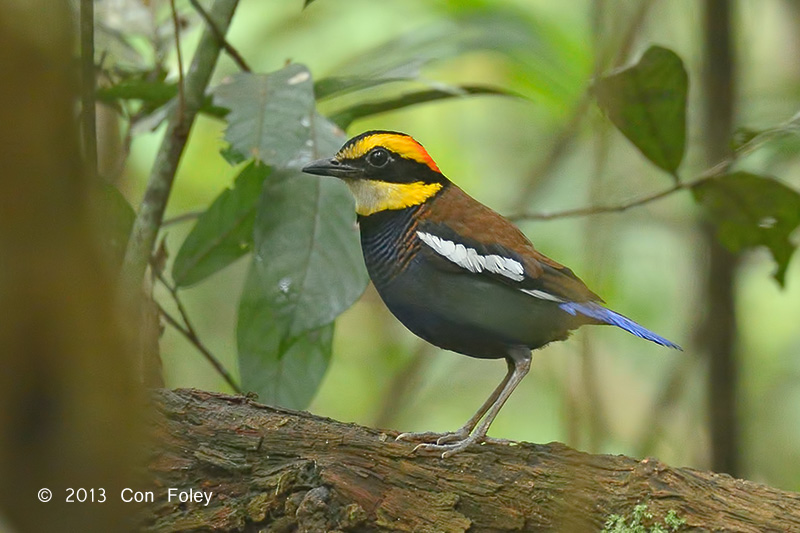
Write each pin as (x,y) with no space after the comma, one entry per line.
(374,196)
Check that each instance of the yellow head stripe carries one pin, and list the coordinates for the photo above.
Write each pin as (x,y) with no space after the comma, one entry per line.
(374,196)
(403,145)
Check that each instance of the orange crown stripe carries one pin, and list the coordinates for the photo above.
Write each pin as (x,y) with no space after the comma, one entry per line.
(402,145)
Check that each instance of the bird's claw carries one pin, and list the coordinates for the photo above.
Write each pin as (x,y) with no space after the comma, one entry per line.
(446,450)
(430,436)
(501,442)
(449,444)
(453,437)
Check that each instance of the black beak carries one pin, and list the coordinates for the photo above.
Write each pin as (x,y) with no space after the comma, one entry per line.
(331,167)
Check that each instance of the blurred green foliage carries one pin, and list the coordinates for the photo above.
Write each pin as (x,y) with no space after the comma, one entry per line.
(373,65)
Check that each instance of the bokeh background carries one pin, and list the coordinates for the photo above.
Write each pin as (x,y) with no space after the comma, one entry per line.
(602,390)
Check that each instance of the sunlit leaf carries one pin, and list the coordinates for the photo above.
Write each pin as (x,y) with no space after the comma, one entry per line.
(647,102)
(345,117)
(750,210)
(270,115)
(224,232)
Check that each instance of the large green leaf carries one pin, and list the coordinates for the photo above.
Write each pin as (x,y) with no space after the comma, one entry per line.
(306,249)
(270,115)
(647,102)
(751,210)
(307,268)
(283,371)
(224,232)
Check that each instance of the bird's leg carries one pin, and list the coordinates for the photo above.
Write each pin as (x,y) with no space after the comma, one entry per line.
(520,357)
(464,431)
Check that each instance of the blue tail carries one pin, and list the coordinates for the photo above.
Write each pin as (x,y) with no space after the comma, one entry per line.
(607,316)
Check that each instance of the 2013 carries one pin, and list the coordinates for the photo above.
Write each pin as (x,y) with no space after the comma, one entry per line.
(84,495)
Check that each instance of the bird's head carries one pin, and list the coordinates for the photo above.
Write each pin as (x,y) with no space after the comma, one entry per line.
(385,170)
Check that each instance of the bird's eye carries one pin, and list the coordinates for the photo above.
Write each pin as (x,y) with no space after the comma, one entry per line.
(378,157)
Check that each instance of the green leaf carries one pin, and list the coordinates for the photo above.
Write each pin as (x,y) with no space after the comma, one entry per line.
(345,117)
(270,115)
(647,102)
(154,92)
(336,85)
(307,3)
(307,268)
(402,58)
(307,249)
(158,99)
(283,371)
(750,210)
(224,232)
(232,156)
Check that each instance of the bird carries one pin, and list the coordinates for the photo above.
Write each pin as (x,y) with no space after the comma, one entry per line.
(456,273)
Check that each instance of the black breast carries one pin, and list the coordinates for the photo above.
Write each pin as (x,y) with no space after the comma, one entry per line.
(388,242)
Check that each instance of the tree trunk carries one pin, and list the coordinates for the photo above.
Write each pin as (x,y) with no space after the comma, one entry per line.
(719,327)
(272,470)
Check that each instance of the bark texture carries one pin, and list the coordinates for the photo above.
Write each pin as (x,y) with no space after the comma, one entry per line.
(275,470)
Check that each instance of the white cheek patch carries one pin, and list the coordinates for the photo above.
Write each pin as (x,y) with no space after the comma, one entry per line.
(471,260)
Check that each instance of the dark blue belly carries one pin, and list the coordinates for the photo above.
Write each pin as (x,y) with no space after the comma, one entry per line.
(471,314)
(449,307)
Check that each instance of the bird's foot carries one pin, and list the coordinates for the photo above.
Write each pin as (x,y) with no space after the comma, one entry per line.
(431,437)
(449,448)
(500,442)
(449,444)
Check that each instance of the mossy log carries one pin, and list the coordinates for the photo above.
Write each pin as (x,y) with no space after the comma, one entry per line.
(276,470)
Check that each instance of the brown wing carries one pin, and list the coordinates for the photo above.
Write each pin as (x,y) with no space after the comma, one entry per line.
(454,215)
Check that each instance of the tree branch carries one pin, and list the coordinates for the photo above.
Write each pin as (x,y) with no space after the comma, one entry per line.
(713,172)
(719,329)
(176,25)
(597,209)
(188,331)
(151,212)
(183,217)
(272,469)
(220,35)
